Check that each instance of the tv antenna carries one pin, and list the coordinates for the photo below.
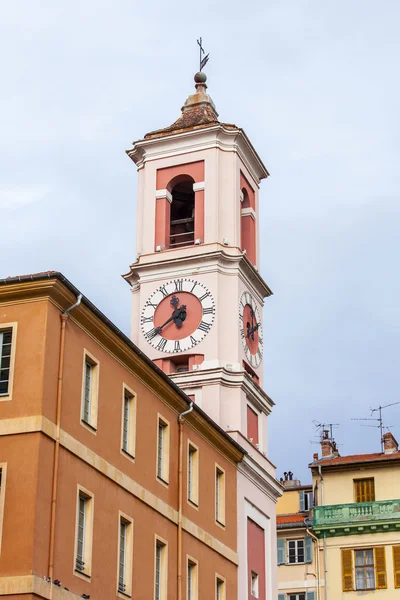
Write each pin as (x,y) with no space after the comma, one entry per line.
(325,427)
(378,419)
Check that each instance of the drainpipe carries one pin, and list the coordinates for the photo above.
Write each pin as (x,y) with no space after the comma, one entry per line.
(325,562)
(180,471)
(64,317)
(315,539)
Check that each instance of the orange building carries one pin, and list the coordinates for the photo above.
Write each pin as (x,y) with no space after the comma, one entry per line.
(113,483)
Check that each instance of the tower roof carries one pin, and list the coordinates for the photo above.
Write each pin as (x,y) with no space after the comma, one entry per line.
(198,112)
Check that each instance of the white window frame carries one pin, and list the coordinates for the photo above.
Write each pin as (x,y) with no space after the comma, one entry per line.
(5,328)
(254,584)
(193,474)
(3,478)
(128,422)
(88,497)
(219,495)
(192,579)
(296,542)
(124,582)
(307,497)
(162,454)
(160,569)
(220,587)
(90,424)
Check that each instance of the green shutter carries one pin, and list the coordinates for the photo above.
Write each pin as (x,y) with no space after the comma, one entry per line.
(301,498)
(281,596)
(281,551)
(308,545)
(310,596)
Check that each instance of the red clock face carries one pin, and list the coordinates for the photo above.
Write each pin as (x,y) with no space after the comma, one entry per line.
(194,313)
(178,315)
(250,329)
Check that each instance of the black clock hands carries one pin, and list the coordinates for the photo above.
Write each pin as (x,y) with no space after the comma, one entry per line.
(251,330)
(178,315)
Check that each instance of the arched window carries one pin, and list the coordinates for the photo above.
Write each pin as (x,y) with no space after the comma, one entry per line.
(182,213)
(248,227)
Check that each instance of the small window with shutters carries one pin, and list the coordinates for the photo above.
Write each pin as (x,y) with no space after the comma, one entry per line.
(396,566)
(364,490)
(369,566)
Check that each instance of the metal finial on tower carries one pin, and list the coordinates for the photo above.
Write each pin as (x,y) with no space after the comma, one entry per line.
(203,59)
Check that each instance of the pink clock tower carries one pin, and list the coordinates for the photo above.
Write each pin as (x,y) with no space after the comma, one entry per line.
(198,298)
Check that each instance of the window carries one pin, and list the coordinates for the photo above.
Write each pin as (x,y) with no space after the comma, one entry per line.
(84,532)
(220,495)
(296,551)
(160,588)
(128,422)
(364,567)
(3,471)
(5,361)
(300,596)
(125,556)
(369,571)
(254,584)
(220,591)
(193,474)
(192,583)
(364,490)
(163,450)
(252,425)
(182,214)
(306,500)
(90,391)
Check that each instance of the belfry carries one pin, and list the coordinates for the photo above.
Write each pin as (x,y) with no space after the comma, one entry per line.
(198,297)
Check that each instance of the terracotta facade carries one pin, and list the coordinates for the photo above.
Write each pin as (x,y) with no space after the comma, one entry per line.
(89,458)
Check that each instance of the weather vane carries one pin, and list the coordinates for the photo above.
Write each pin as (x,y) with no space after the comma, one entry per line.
(203,60)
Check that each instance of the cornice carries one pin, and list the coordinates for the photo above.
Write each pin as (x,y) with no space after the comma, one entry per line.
(216,136)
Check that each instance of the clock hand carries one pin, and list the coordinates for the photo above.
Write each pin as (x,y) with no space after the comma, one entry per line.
(251,330)
(158,329)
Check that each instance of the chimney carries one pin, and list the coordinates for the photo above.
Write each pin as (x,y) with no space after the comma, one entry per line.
(315,456)
(328,445)
(390,443)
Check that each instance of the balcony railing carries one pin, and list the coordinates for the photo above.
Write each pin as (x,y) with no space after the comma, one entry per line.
(342,519)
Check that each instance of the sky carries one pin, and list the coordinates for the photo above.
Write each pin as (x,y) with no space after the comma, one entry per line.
(315,86)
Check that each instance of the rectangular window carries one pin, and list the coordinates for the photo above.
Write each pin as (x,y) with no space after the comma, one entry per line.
(364,490)
(128,422)
(3,471)
(5,361)
(252,425)
(125,556)
(163,450)
(254,584)
(160,587)
(300,596)
(365,569)
(193,474)
(84,533)
(192,582)
(220,588)
(306,500)
(220,495)
(90,391)
(295,551)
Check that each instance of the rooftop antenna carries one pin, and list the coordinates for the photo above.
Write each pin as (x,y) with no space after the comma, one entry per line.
(203,59)
(379,419)
(321,427)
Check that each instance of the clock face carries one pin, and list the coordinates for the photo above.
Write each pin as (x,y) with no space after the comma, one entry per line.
(251,329)
(178,315)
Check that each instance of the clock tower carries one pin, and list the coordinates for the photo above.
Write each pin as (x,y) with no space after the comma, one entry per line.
(198,297)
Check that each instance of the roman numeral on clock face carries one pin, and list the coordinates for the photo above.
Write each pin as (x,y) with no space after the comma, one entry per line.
(147,320)
(204,326)
(161,344)
(209,311)
(152,333)
(177,346)
(178,285)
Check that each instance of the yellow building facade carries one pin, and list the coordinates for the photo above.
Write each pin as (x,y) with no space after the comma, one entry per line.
(299,555)
(356,519)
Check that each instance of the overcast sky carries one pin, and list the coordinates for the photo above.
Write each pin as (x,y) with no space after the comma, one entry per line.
(314,84)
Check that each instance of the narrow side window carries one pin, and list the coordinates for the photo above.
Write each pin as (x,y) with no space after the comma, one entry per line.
(84,533)
(7,351)
(193,474)
(163,450)
(220,495)
(125,553)
(160,575)
(192,579)
(3,472)
(90,387)
(128,441)
(220,588)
